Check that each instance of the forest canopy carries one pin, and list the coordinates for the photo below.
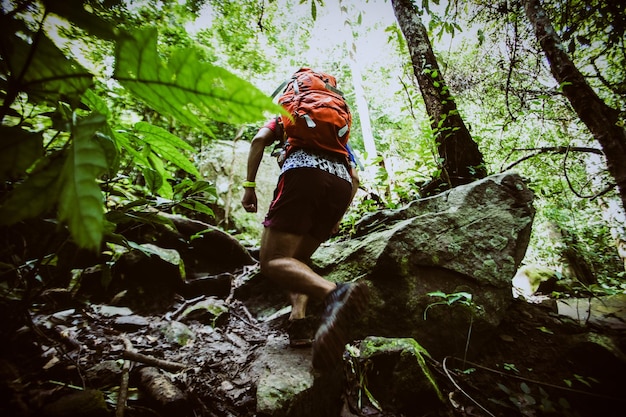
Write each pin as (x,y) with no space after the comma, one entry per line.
(108,106)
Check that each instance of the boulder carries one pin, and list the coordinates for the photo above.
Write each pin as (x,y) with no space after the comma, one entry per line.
(283,377)
(225,165)
(438,270)
(392,375)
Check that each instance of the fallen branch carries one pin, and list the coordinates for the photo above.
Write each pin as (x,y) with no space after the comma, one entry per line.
(161,389)
(122,395)
(183,307)
(150,360)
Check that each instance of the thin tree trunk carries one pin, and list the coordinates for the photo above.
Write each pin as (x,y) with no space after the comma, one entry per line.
(600,119)
(231,176)
(362,107)
(462,160)
(357,81)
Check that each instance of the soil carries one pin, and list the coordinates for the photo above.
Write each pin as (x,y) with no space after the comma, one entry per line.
(537,365)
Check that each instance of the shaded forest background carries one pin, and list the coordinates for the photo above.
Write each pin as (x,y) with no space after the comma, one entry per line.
(110,108)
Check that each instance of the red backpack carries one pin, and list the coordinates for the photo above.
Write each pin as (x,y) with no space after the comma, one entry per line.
(321,117)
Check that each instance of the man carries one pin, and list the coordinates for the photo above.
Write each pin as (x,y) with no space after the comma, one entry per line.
(313,192)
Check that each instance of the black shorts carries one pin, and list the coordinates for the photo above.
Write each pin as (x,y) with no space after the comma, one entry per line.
(308,201)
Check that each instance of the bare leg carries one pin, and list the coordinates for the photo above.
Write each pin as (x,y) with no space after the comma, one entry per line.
(303,254)
(281,255)
(298,305)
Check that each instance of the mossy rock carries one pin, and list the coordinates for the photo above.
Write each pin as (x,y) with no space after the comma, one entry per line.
(393,374)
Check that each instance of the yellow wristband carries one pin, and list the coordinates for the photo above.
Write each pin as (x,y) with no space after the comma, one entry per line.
(249,184)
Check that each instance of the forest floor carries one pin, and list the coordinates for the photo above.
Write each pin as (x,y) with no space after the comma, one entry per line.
(544,364)
(537,365)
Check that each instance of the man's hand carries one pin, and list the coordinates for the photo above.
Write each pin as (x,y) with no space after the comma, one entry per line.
(249,201)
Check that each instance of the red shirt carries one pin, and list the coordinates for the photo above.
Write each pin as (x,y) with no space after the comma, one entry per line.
(272,124)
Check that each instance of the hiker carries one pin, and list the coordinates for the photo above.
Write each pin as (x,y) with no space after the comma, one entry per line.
(314,190)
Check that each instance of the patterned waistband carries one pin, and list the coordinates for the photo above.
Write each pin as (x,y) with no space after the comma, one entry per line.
(301,158)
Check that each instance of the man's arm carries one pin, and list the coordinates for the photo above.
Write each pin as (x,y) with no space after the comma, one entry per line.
(354,175)
(263,138)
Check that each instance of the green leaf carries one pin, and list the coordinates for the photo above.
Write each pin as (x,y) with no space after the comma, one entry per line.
(164,189)
(166,145)
(197,206)
(545,330)
(109,147)
(186,188)
(184,87)
(95,103)
(438,294)
(123,141)
(168,255)
(149,218)
(46,74)
(36,195)
(81,202)
(504,388)
(153,179)
(202,186)
(19,149)
(371,398)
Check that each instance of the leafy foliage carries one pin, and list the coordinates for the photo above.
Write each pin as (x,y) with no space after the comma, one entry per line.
(184,86)
(521,121)
(48,96)
(104,123)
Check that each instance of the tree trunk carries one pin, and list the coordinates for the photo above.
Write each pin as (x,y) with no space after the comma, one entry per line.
(362,107)
(462,160)
(357,81)
(600,119)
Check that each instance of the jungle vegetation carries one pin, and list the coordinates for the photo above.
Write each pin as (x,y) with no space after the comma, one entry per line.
(107,105)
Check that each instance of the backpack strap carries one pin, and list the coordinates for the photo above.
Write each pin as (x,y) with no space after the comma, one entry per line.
(333,89)
(296,90)
(294,82)
(281,87)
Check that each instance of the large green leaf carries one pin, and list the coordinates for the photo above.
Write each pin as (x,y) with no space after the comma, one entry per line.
(184,87)
(43,71)
(19,149)
(37,195)
(81,201)
(166,145)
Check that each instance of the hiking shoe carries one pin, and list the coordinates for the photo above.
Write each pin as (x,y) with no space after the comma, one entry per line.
(301,331)
(341,306)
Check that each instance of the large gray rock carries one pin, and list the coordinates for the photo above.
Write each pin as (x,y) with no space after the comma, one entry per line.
(468,240)
(392,374)
(224,164)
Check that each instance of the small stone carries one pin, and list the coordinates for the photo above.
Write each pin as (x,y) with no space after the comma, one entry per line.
(506,338)
(130,323)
